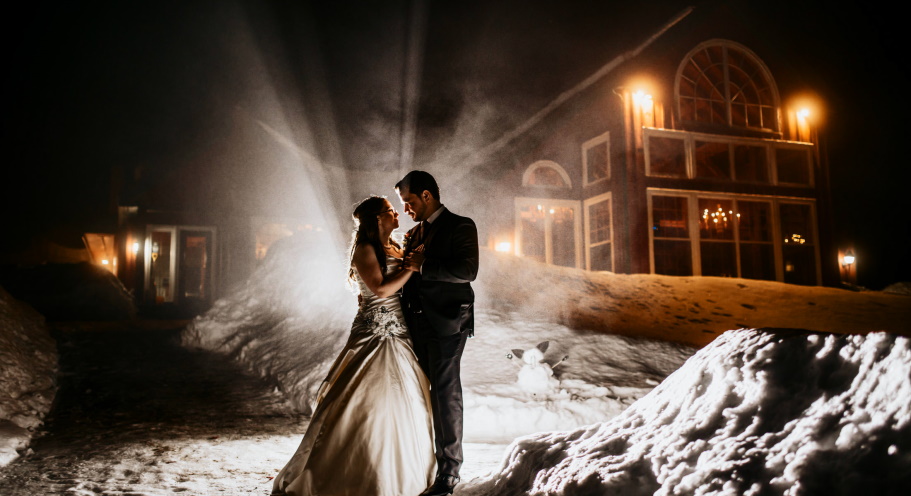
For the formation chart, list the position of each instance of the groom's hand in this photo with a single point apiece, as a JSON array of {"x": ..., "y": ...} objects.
[{"x": 415, "y": 259}]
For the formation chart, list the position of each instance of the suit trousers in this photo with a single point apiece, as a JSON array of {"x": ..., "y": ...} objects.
[{"x": 440, "y": 357}]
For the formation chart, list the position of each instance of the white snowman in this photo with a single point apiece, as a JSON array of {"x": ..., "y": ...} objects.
[{"x": 535, "y": 376}]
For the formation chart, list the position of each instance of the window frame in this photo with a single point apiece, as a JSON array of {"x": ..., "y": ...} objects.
[
  {"x": 586, "y": 208},
  {"x": 541, "y": 164},
  {"x": 726, "y": 46},
  {"x": 589, "y": 144},
  {"x": 523, "y": 201},
  {"x": 690, "y": 138},
  {"x": 693, "y": 197}
]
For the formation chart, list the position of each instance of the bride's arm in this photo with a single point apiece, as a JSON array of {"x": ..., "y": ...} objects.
[{"x": 368, "y": 267}]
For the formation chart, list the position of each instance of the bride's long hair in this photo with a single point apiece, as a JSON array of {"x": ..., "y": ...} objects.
[{"x": 367, "y": 232}]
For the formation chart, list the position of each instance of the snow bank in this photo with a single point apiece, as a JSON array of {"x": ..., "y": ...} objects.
[
  {"x": 78, "y": 291},
  {"x": 599, "y": 376},
  {"x": 288, "y": 321},
  {"x": 293, "y": 316},
  {"x": 755, "y": 412},
  {"x": 691, "y": 310},
  {"x": 27, "y": 378}
]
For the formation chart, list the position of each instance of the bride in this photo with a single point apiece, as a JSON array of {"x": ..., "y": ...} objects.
[{"x": 371, "y": 432}]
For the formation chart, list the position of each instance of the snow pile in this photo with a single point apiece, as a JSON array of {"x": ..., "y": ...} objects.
[
  {"x": 755, "y": 412},
  {"x": 293, "y": 316},
  {"x": 600, "y": 377},
  {"x": 288, "y": 321},
  {"x": 899, "y": 288},
  {"x": 691, "y": 310},
  {"x": 78, "y": 291},
  {"x": 27, "y": 378}
]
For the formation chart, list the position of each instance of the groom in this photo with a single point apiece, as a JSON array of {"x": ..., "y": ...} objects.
[{"x": 439, "y": 307}]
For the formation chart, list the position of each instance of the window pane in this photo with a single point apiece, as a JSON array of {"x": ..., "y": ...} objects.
[
  {"x": 713, "y": 160},
  {"x": 546, "y": 176},
  {"x": 718, "y": 258},
  {"x": 757, "y": 261},
  {"x": 717, "y": 84},
  {"x": 798, "y": 250},
  {"x": 799, "y": 264},
  {"x": 667, "y": 156},
  {"x": 564, "y": 239},
  {"x": 755, "y": 220},
  {"x": 793, "y": 166},
  {"x": 160, "y": 268},
  {"x": 750, "y": 164},
  {"x": 601, "y": 257},
  {"x": 599, "y": 222},
  {"x": 796, "y": 223},
  {"x": 532, "y": 232},
  {"x": 596, "y": 162},
  {"x": 673, "y": 258},
  {"x": 195, "y": 253},
  {"x": 669, "y": 215},
  {"x": 716, "y": 219}
]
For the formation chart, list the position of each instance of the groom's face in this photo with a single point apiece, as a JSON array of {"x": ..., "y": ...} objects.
[{"x": 414, "y": 205}]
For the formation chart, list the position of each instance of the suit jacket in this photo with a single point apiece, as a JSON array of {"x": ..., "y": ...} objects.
[{"x": 442, "y": 290}]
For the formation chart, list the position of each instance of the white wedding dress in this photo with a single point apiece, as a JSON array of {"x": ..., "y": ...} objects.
[{"x": 371, "y": 433}]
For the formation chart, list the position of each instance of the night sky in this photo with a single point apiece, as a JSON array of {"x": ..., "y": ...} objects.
[{"x": 93, "y": 86}]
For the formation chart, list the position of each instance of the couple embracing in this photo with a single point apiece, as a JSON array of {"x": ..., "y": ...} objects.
[{"x": 388, "y": 420}]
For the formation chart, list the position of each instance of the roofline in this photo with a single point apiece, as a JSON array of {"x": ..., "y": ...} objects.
[{"x": 474, "y": 158}]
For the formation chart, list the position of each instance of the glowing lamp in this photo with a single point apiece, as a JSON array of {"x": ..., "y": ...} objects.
[
  {"x": 104, "y": 261},
  {"x": 642, "y": 99},
  {"x": 135, "y": 248},
  {"x": 849, "y": 257},
  {"x": 504, "y": 247},
  {"x": 803, "y": 113}
]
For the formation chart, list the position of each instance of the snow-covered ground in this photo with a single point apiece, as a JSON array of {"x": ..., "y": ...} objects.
[
  {"x": 27, "y": 377},
  {"x": 288, "y": 324},
  {"x": 753, "y": 413}
]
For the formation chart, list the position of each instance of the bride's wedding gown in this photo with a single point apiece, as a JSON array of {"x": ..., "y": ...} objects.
[{"x": 371, "y": 432}]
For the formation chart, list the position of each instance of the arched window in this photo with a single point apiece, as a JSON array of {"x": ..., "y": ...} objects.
[
  {"x": 722, "y": 82},
  {"x": 547, "y": 174}
]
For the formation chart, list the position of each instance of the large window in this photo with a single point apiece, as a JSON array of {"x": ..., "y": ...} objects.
[
  {"x": 599, "y": 233},
  {"x": 722, "y": 82},
  {"x": 690, "y": 155},
  {"x": 711, "y": 234},
  {"x": 549, "y": 231}
]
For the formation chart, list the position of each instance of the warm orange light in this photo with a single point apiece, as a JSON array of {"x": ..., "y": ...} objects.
[
  {"x": 642, "y": 99},
  {"x": 104, "y": 261},
  {"x": 803, "y": 113}
]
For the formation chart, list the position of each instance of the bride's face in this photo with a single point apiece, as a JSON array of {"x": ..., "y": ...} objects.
[{"x": 388, "y": 218}]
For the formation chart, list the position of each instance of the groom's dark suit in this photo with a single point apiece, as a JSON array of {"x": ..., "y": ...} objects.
[{"x": 439, "y": 306}]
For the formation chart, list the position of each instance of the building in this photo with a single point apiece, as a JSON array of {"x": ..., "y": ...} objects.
[{"x": 696, "y": 152}]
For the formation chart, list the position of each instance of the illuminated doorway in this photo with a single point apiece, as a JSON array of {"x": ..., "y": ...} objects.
[{"x": 179, "y": 264}]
